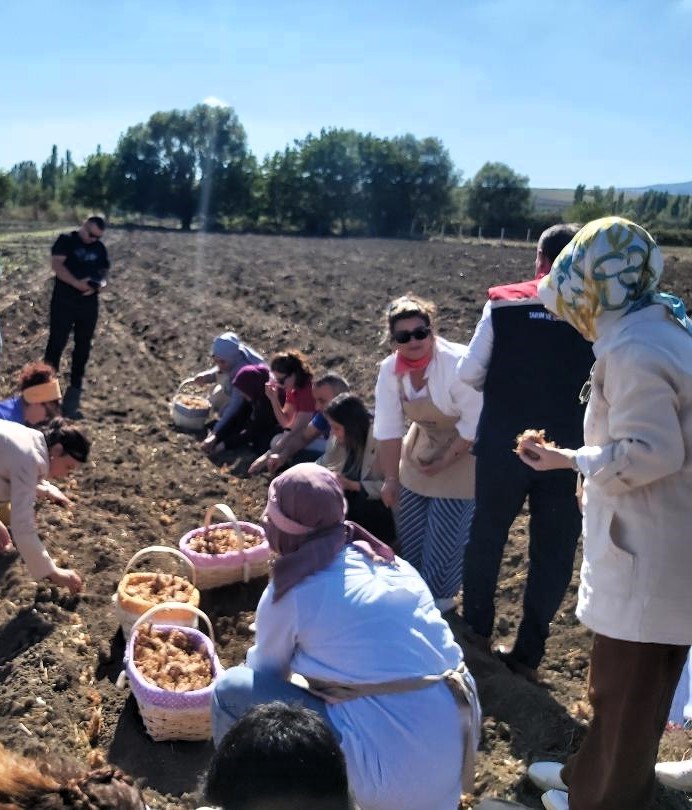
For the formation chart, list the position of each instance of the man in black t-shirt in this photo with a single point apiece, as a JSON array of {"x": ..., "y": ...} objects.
[{"x": 80, "y": 263}]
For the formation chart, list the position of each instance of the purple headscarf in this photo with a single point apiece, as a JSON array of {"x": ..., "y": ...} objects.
[
  {"x": 250, "y": 380},
  {"x": 304, "y": 523}
]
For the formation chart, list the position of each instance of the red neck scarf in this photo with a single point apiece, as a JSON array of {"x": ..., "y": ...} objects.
[{"x": 403, "y": 365}]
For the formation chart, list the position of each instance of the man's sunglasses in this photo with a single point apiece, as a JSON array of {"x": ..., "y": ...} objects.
[
  {"x": 93, "y": 235},
  {"x": 404, "y": 335}
]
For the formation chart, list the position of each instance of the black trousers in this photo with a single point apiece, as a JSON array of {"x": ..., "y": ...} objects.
[
  {"x": 70, "y": 310},
  {"x": 503, "y": 482}
]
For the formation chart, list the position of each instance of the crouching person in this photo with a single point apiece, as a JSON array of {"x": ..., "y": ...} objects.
[
  {"x": 359, "y": 627},
  {"x": 27, "y": 458}
]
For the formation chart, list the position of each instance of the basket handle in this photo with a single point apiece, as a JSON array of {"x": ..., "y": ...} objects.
[
  {"x": 185, "y": 382},
  {"x": 227, "y": 512},
  {"x": 163, "y": 550},
  {"x": 174, "y": 606}
]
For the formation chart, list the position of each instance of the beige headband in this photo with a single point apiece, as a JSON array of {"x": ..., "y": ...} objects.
[{"x": 45, "y": 392}]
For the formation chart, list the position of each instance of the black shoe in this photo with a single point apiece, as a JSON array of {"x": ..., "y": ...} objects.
[
  {"x": 515, "y": 666},
  {"x": 70, "y": 403}
]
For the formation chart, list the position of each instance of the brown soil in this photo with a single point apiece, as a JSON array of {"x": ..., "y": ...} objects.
[{"x": 148, "y": 484}]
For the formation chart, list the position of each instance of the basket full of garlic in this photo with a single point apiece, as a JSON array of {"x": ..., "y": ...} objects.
[
  {"x": 223, "y": 553},
  {"x": 172, "y": 671},
  {"x": 140, "y": 590}
]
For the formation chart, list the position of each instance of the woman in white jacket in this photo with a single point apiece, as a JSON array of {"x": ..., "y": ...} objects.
[
  {"x": 429, "y": 471},
  {"x": 27, "y": 457},
  {"x": 637, "y": 467}
]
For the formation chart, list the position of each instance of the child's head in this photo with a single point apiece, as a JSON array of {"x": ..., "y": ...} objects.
[
  {"x": 279, "y": 756},
  {"x": 550, "y": 244}
]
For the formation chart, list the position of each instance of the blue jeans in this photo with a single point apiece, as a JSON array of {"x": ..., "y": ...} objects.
[{"x": 240, "y": 688}]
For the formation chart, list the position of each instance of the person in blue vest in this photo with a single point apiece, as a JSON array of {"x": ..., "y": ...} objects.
[{"x": 517, "y": 359}]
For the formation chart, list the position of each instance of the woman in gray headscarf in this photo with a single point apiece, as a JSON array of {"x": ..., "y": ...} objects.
[
  {"x": 637, "y": 465},
  {"x": 229, "y": 355}
]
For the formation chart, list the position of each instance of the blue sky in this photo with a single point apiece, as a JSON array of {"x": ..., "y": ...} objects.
[{"x": 564, "y": 91}]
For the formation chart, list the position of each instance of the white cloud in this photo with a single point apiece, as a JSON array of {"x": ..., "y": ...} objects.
[{"x": 212, "y": 101}]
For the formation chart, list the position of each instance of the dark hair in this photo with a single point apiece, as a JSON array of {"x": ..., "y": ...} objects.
[
  {"x": 292, "y": 362},
  {"x": 35, "y": 373},
  {"x": 275, "y": 751},
  {"x": 335, "y": 381},
  {"x": 552, "y": 240},
  {"x": 349, "y": 411},
  {"x": 73, "y": 440},
  {"x": 60, "y": 784},
  {"x": 100, "y": 222}
]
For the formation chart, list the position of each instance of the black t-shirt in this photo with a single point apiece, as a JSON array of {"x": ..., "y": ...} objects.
[{"x": 82, "y": 260}]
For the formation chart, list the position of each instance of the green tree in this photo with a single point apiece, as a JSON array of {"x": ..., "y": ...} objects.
[
  {"x": 92, "y": 183},
  {"x": 26, "y": 183},
  {"x": 51, "y": 174},
  {"x": 498, "y": 197},
  {"x": 183, "y": 164},
  {"x": 579, "y": 192},
  {"x": 6, "y": 189}
]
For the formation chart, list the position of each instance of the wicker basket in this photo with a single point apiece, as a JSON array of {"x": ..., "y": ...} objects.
[
  {"x": 174, "y": 715},
  {"x": 185, "y": 417},
  {"x": 214, "y": 570},
  {"x": 129, "y": 608}
]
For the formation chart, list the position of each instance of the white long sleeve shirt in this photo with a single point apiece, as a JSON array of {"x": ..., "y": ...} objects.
[{"x": 452, "y": 395}]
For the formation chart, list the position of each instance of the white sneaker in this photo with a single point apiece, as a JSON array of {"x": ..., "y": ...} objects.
[
  {"x": 546, "y": 775},
  {"x": 555, "y": 800},
  {"x": 676, "y": 775}
]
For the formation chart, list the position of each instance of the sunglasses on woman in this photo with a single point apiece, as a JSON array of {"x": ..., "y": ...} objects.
[{"x": 405, "y": 335}]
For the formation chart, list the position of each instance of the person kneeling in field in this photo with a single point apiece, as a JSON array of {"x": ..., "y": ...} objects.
[
  {"x": 59, "y": 784},
  {"x": 39, "y": 397},
  {"x": 359, "y": 626},
  {"x": 27, "y": 456},
  {"x": 229, "y": 355},
  {"x": 279, "y": 756}
]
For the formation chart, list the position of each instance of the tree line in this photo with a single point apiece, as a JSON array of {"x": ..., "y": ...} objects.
[{"x": 195, "y": 166}]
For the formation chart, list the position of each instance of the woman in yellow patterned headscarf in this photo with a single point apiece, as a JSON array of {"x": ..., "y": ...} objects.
[
  {"x": 635, "y": 591},
  {"x": 611, "y": 268}
]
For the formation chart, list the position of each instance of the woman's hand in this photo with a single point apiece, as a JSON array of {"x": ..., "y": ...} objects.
[
  {"x": 433, "y": 467},
  {"x": 271, "y": 389},
  {"x": 5, "y": 539},
  {"x": 543, "y": 458},
  {"x": 52, "y": 493},
  {"x": 390, "y": 492},
  {"x": 258, "y": 464},
  {"x": 347, "y": 484},
  {"x": 67, "y": 578},
  {"x": 210, "y": 443}
]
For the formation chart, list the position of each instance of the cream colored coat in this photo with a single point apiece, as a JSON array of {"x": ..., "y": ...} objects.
[
  {"x": 636, "y": 578},
  {"x": 23, "y": 464}
]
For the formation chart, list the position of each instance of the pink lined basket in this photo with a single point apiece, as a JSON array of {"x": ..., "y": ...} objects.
[
  {"x": 215, "y": 570},
  {"x": 174, "y": 715}
]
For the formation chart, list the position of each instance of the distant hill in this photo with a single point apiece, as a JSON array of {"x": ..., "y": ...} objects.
[
  {"x": 672, "y": 188},
  {"x": 557, "y": 199}
]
